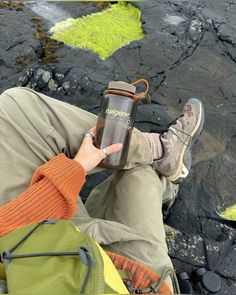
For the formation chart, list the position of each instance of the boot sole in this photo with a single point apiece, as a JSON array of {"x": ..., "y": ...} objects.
[{"x": 182, "y": 171}]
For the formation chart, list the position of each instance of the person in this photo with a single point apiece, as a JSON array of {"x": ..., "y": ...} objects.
[{"x": 46, "y": 152}]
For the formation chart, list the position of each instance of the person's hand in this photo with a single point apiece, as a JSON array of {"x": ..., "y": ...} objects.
[{"x": 88, "y": 156}]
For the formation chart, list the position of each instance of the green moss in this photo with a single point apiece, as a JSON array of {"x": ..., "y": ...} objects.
[
  {"x": 102, "y": 32},
  {"x": 229, "y": 213}
]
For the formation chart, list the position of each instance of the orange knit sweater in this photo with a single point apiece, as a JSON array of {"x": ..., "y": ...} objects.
[{"x": 52, "y": 193}]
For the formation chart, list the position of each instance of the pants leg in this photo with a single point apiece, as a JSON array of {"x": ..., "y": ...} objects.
[
  {"x": 133, "y": 199},
  {"x": 35, "y": 128}
]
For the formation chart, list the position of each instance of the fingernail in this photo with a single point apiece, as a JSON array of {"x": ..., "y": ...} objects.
[{"x": 120, "y": 145}]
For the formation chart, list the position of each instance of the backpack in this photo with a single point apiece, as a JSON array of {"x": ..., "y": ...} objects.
[{"x": 55, "y": 257}]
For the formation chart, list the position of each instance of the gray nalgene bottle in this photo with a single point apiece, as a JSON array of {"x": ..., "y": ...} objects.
[{"x": 116, "y": 120}]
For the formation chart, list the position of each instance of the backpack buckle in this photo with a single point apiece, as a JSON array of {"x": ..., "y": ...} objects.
[{"x": 4, "y": 255}]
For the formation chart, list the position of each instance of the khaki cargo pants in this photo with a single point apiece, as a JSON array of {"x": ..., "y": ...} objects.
[{"x": 123, "y": 213}]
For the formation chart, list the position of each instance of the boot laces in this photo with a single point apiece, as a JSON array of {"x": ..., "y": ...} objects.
[{"x": 166, "y": 127}]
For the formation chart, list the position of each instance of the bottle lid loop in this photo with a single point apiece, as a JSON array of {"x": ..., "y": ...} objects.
[
  {"x": 142, "y": 94},
  {"x": 129, "y": 94}
]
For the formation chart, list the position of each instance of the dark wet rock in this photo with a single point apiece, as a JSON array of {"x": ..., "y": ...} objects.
[
  {"x": 40, "y": 79},
  {"x": 189, "y": 50},
  {"x": 17, "y": 46},
  {"x": 213, "y": 249},
  {"x": 186, "y": 248}
]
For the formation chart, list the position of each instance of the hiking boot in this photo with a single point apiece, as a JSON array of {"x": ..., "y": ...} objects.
[{"x": 177, "y": 141}]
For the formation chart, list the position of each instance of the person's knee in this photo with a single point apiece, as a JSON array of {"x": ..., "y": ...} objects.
[
  {"x": 21, "y": 96},
  {"x": 16, "y": 91}
]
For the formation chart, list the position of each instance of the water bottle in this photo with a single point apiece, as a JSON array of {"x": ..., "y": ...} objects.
[{"x": 116, "y": 120}]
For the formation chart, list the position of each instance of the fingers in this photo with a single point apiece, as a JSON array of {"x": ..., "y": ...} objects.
[
  {"x": 113, "y": 148},
  {"x": 89, "y": 135},
  {"x": 93, "y": 129},
  {"x": 88, "y": 139}
]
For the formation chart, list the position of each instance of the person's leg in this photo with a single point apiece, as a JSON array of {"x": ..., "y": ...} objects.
[
  {"x": 135, "y": 197},
  {"x": 132, "y": 198},
  {"x": 35, "y": 128}
]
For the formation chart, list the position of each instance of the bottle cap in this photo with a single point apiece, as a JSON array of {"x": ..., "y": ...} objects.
[
  {"x": 123, "y": 86},
  {"x": 211, "y": 281}
]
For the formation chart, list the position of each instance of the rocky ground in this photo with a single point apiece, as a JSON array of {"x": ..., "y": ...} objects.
[{"x": 189, "y": 50}]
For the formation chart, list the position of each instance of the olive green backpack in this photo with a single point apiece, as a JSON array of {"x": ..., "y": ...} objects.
[{"x": 55, "y": 257}]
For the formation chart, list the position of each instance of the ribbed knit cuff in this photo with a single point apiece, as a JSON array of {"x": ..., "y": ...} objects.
[
  {"x": 52, "y": 193},
  {"x": 42, "y": 201},
  {"x": 67, "y": 175}
]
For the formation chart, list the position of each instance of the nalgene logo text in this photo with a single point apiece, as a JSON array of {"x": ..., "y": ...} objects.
[{"x": 115, "y": 113}]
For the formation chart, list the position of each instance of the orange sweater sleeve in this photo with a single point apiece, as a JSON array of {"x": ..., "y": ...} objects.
[{"x": 52, "y": 194}]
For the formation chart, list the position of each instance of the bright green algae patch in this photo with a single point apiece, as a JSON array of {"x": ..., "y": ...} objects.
[
  {"x": 229, "y": 213},
  {"x": 103, "y": 32}
]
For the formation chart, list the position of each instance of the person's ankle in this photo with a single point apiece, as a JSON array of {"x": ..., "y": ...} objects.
[{"x": 155, "y": 144}]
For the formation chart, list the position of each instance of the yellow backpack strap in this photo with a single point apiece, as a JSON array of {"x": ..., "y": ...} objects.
[{"x": 111, "y": 275}]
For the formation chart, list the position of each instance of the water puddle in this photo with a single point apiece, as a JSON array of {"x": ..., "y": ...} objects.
[
  {"x": 174, "y": 19},
  {"x": 49, "y": 11}
]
